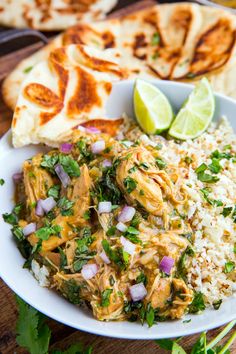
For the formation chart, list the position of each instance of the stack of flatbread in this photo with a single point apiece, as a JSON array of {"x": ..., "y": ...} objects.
[
  {"x": 51, "y": 15},
  {"x": 181, "y": 41}
]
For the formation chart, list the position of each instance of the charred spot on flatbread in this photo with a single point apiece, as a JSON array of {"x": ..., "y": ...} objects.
[
  {"x": 213, "y": 48},
  {"x": 85, "y": 95}
]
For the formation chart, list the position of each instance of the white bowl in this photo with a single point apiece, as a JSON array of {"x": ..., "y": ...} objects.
[{"x": 53, "y": 305}]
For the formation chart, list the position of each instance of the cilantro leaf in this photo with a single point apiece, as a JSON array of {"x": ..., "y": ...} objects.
[
  {"x": 74, "y": 349},
  {"x": 150, "y": 315},
  {"x": 155, "y": 39},
  {"x": 106, "y": 297},
  {"x": 197, "y": 304},
  {"x": 160, "y": 163},
  {"x": 207, "y": 178},
  {"x": 200, "y": 346},
  {"x": 229, "y": 267},
  {"x": 2, "y": 181},
  {"x": 227, "y": 211},
  {"x": 54, "y": 191},
  {"x": 70, "y": 166},
  {"x": 215, "y": 166},
  {"x": 165, "y": 343},
  {"x": 130, "y": 184},
  {"x": 32, "y": 333},
  {"x": 46, "y": 231},
  {"x": 66, "y": 206}
]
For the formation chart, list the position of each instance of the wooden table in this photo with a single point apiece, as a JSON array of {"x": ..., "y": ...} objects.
[{"x": 62, "y": 336}]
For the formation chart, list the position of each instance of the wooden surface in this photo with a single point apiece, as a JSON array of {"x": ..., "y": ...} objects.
[{"x": 62, "y": 336}]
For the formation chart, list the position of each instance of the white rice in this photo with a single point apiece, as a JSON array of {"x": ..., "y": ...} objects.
[{"x": 213, "y": 248}]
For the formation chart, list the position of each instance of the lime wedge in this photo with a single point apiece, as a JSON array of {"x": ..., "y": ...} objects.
[
  {"x": 196, "y": 113},
  {"x": 152, "y": 109}
]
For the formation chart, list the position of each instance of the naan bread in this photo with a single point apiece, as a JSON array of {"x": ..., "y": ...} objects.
[
  {"x": 60, "y": 93},
  {"x": 51, "y": 15},
  {"x": 181, "y": 41}
]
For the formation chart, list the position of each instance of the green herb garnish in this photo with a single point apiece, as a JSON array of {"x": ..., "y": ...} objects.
[
  {"x": 160, "y": 163},
  {"x": 2, "y": 181},
  {"x": 155, "y": 39},
  {"x": 130, "y": 184},
  {"x": 197, "y": 304},
  {"x": 106, "y": 297},
  {"x": 45, "y": 232},
  {"x": 229, "y": 267},
  {"x": 54, "y": 191}
]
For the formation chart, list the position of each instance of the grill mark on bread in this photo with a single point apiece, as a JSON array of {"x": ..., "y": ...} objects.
[
  {"x": 99, "y": 64},
  {"x": 85, "y": 96},
  {"x": 213, "y": 48}
]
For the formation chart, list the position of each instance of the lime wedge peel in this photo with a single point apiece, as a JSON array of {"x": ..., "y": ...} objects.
[
  {"x": 196, "y": 114},
  {"x": 152, "y": 109}
]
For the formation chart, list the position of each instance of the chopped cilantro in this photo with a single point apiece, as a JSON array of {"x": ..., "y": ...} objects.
[
  {"x": 131, "y": 234},
  {"x": 221, "y": 155},
  {"x": 150, "y": 315},
  {"x": 45, "y": 232},
  {"x": 158, "y": 146},
  {"x": 85, "y": 152},
  {"x": 132, "y": 169},
  {"x": 227, "y": 211},
  {"x": 114, "y": 254},
  {"x": 106, "y": 297},
  {"x": 217, "y": 304},
  {"x": 2, "y": 181},
  {"x": 136, "y": 220},
  {"x": 28, "y": 69},
  {"x": 111, "y": 280},
  {"x": 141, "y": 278},
  {"x": 144, "y": 165},
  {"x": 160, "y": 163},
  {"x": 188, "y": 160},
  {"x": 70, "y": 166},
  {"x": 87, "y": 215},
  {"x": 215, "y": 166},
  {"x": 201, "y": 168},
  {"x": 227, "y": 147},
  {"x": 130, "y": 184},
  {"x": 66, "y": 206},
  {"x": 155, "y": 39},
  {"x": 197, "y": 304},
  {"x": 111, "y": 231},
  {"x": 229, "y": 267},
  {"x": 235, "y": 248},
  {"x": 10, "y": 218},
  {"x": 181, "y": 266},
  {"x": 207, "y": 178},
  {"x": 82, "y": 253},
  {"x": 54, "y": 191},
  {"x": 214, "y": 202},
  {"x": 141, "y": 192}
]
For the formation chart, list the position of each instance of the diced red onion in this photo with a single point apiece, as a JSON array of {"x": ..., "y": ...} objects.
[
  {"x": 126, "y": 214},
  {"x": 166, "y": 264},
  {"x": 121, "y": 227},
  {"x": 93, "y": 130},
  {"x": 48, "y": 204},
  {"x": 81, "y": 128},
  {"x": 137, "y": 292},
  {"x": 104, "y": 257},
  {"x": 29, "y": 229},
  {"x": 104, "y": 207},
  {"x": 98, "y": 146},
  {"x": 120, "y": 136},
  {"x": 39, "y": 208},
  {"x": 89, "y": 271},
  {"x": 66, "y": 148},
  {"x": 17, "y": 177},
  {"x": 62, "y": 175},
  {"x": 129, "y": 247},
  {"x": 106, "y": 163}
]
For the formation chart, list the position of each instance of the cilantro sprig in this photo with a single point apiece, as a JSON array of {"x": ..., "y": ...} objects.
[{"x": 34, "y": 334}]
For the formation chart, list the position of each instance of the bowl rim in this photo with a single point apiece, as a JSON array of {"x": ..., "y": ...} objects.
[{"x": 99, "y": 330}]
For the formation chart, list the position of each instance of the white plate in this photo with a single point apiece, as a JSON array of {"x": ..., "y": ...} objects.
[{"x": 53, "y": 305}]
